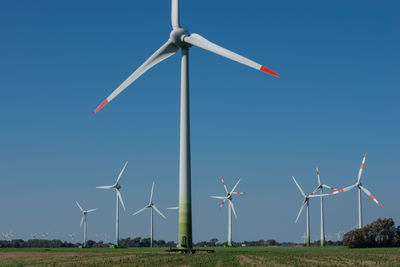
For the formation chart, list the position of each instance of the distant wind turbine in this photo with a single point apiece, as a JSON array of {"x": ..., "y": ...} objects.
[
  {"x": 72, "y": 236},
  {"x": 45, "y": 235},
  {"x": 320, "y": 188},
  {"x": 116, "y": 187},
  {"x": 152, "y": 207},
  {"x": 338, "y": 235},
  {"x": 83, "y": 221},
  {"x": 305, "y": 203},
  {"x": 231, "y": 208}
]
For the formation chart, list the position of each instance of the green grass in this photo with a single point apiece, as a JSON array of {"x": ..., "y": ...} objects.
[{"x": 262, "y": 256}]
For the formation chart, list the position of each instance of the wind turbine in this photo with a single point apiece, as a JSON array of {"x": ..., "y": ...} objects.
[
  {"x": 320, "y": 187},
  {"x": 338, "y": 235},
  {"x": 72, "y": 236},
  {"x": 360, "y": 187},
  {"x": 83, "y": 221},
  {"x": 45, "y": 235},
  {"x": 181, "y": 39},
  {"x": 305, "y": 203},
  {"x": 152, "y": 207},
  {"x": 8, "y": 235},
  {"x": 116, "y": 186},
  {"x": 230, "y": 208},
  {"x": 304, "y": 238}
]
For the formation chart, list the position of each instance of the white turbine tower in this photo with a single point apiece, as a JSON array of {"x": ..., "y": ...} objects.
[
  {"x": 83, "y": 221},
  {"x": 152, "y": 207},
  {"x": 320, "y": 188},
  {"x": 182, "y": 39},
  {"x": 305, "y": 203},
  {"x": 230, "y": 207},
  {"x": 360, "y": 187},
  {"x": 116, "y": 187}
]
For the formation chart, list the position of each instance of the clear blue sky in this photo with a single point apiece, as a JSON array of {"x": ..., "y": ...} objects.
[{"x": 337, "y": 97}]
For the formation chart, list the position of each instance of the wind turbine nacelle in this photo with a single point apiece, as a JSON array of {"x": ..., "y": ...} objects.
[{"x": 177, "y": 35}]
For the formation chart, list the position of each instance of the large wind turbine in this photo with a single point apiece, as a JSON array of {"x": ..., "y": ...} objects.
[
  {"x": 83, "y": 221},
  {"x": 360, "y": 187},
  {"x": 320, "y": 187},
  {"x": 152, "y": 207},
  {"x": 230, "y": 208},
  {"x": 181, "y": 39},
  {"x": 116, "y": 186},
  {"x": 305, "y": 203}
]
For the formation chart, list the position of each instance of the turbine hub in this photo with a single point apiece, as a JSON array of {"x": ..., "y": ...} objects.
[
  {"x": 177, "y": 35},
  {"x": 117, "y": 186}
]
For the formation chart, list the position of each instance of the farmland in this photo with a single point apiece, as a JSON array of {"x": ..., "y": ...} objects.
[{"x": 268, "y": 256}]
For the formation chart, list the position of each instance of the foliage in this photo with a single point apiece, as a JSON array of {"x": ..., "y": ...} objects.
[{"x": 380, "y": 233}]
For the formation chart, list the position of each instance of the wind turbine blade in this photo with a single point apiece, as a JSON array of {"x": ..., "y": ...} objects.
[
  {"x": 233, "y": 189},
  {"x": 79, "y": 206},
  {"x": 223, "y": 202},
  {"x": 329, "y": 187},
  {"x": 151, "y": 195},
  {"x": 105, "y": 187},
  {"x": 223, "y": 182},
  {"x": 233, "y": 208},
  {"x": 201, "y": 42},
  {"x": 342, "y": 190},
  {"x": 301, "y": 209},
  {"x": 315, "y": 190},
  {"x": 361, "y": 168},
  {"x": 172, "y": 208},
  {"x": 83, "y": 218},
  {"x": 239, "y": 193},
  {"x": 120, "y": 174},
  {"x": 370, "y": 195},
  {"x": 319, "y": 180},
  {"x": 217, "y": 197},
  {"x": 175, "y": 14},
  {"x": 159, "y": 212},
  {"x": 91, "y": 210},
  {"x": 139, "y": 211},
  {"x": 301, "y": 190},
  {"x": 120, "y": 198},
  {"x": 164, "y": 52}
]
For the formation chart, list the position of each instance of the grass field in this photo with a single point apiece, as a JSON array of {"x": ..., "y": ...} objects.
[{"x": 276, "y": 256}]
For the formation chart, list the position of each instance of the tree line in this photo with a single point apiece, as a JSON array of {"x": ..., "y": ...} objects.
[{"x": 380, "y": 233}]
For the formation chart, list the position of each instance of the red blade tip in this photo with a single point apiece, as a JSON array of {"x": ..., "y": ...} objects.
[
  {"x": 266, "y": 70},
  {"x": 105, "y": 102}
]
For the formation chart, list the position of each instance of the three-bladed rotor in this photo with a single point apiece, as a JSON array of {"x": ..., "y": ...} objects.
[
  {"x": 320, "y": 184},
  {"x": 150, "y": 205},
  {"x": 116, "y": 186},
  {"x": 306, "y": 198},
  {"x": 180, "y": 38},
  {"x": 358, "y": 184},
  {"x": 228, "y": 195},
  {"x": 84, "y": 212}
]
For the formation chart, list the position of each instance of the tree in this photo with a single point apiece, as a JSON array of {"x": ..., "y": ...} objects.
[{"x": 380, "y": 233}]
